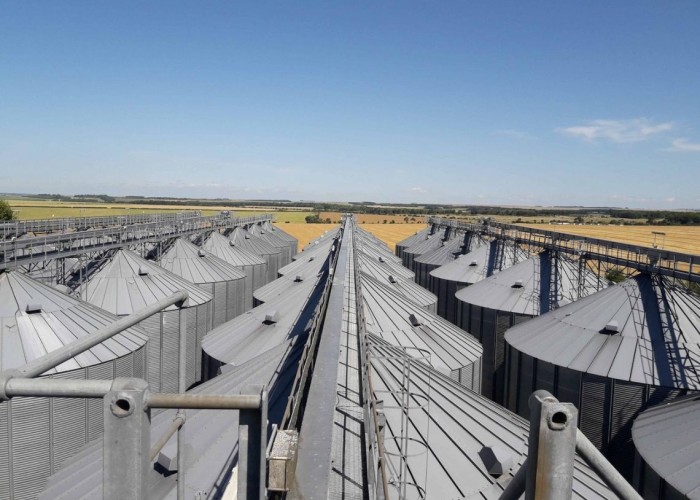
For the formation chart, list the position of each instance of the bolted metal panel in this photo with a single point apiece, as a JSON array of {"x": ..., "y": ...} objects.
[
  {"x": 170, "y": 351},
  {"x": 219, "y": 304}
]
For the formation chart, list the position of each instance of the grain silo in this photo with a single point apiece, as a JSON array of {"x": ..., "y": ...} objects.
[
  {"x": 408, "y": 288},
  {"x": 400, "y": 321},
  {"x": 297, "y": 283},
  {"x": 280, "y": 233},
  {"x": 446, "y": 253},
  {"x": 261, "y": 329},
  {"x": 430, "y": 242},
  {"x": 254, "y": 266},
  {"x": 225, "y": 283},
  {"x": 532, "y": 287},
  {"x": 612, "y": 354},
  {"x": 274, "y": 240},
  {"x": 457, "y": 443},
  {"x": 481, "y": 262},
  {"x": 272, "y": 255},
  {"x": 38, "y": 434},
  {"x": 411, "y": 240},
  {"x": 128, "y": 283},
  {"x": 305, "y": 264},
  {"x": 667, "y": 450},
  {"x": 211, "y": 437}
]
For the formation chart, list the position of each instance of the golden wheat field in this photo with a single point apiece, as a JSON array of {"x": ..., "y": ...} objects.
[
  {"x": 684, "y": 239},
  {"x": 391, "y": 234},
  {"x": 305, "y": 232},
  {"x": 376, "y": 219}
]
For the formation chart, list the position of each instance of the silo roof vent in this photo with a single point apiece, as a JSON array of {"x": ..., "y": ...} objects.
[
  {"x": 33, "y": 308},
  {"x": 143, "y": 271},
  {"x": 202, "y": 253},
  {"x": 231, "y": 243},
  {"x": 496, "y": 459},
  {"x": 473, "y": 263},
  {"x": 271, "y": 318},
  {"x": 392, "y": 279},
  {"x": 414, "y": 319},
  {"x": 299, "y": 278},
  {"x": 247, "y": 236},
  {"x": 518, "y": 284},
  {"x": 381, "y": 259},
  {"x": 612, "y": 327}
]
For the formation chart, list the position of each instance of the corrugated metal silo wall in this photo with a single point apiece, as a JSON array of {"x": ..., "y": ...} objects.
[
  {"x": 422, "y": 270},
  {"x": 445, "y": 291},
  {"x": 607, "y": 407},
  {"x": 273, "y": 265},
  {"x": 38, "y": 434},
  {"x": 489, "y": 327},
  {"x": 163, "y": 345},
  {"x": 469, "y": 376},
  {"x": 229, "y": 300}
]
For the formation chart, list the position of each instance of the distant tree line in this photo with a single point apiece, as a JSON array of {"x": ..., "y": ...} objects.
[{"x": 656, "y": 217}]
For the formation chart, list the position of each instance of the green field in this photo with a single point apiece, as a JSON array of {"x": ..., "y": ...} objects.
[{"x": 37, "y": 209}]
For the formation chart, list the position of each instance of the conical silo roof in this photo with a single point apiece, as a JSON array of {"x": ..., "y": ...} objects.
[
  {"x": 296, "y": 283},
  {"x": 461, "y": 425},
  {"x": 305, "y": 265},
  {"x": 386, "y": 312},
  {"x": 524, "y": 287},
  {"x": 252, "y": 243},
  {"x": 262, "y": 328},
  {"x": 36, "y": 319},
  {"x": 411, "y": 240},
  {"x": 409, "y": 289},
  {"x": 667, "y": 439},
  {"x": 322, "y": 248},
  {"x": 471, "y": 267},
  {"x": 427, "y": 242},
  {"x": 373, "y": 265},
  {"x": 447, "y": 252},
  {"x": 128, "y": 283},
  {"x": 236, "y": 255},
  {"x": 378, "y": 253},
  {"x": 274, "y": 239},
  {"x": 197, "y": 265},
  {"x": 644, "y": 330},
  {"x": 330, "y": 234},
  {"x": 211, "y": 436},
  {"x": 279, "y": 232}
]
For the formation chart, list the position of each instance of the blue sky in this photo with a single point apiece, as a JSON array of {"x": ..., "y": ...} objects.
[{"x": 518, "y": 103}]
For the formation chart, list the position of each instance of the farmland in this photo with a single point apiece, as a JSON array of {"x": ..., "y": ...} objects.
[
  {"x": 305, "y": 232},
  {"x": 376, "y": 219},
  {"x": 40, "y": 209},
  {"x": 391, "y": 234},
  {"x": 685, "y": 239}
]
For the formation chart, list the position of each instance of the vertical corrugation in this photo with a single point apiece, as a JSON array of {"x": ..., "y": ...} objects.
[
  {"x": 152, "y": 326},
  {"x": 30, "y": 459},
  {"x": 170, "y": 351},
  {"x": 594, "y": 420},
  {"x": 95, "y": 421},
  {"x": 5, "y": 463}
]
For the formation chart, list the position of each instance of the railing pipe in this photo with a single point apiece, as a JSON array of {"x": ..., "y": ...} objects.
[
  {"x": 54, "y": 358},
  {"x": 204, "y": 401},
  {"x": 550, "y": 448},
  {"x": 605, "y": 470},
  {"x": 175, "y": 425},
  {"x": 59, "y": 388}
]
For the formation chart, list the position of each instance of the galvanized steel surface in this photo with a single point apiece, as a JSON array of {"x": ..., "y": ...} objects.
[
  {"x": 211, "y": 436},
  {"x": 657, "y": 341},
  {"x": 460, "y": 424},
  {"x": 667, "y": 438}
]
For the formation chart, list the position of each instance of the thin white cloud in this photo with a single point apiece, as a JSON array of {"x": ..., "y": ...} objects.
[
  {"x": 617, "y": 131},
  {"x": 684, "y": 146},
  {"x": 418, "y": 190},
  {"x": 671, "y": 199}
]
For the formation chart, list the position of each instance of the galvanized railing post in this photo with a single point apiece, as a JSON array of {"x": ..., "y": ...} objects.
[
  {"x": 551, "y": 446},
  {"x": 182, "y": 388},
  {"x": 252, "y": 441},
  {"x": 127, "y": 438}
]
